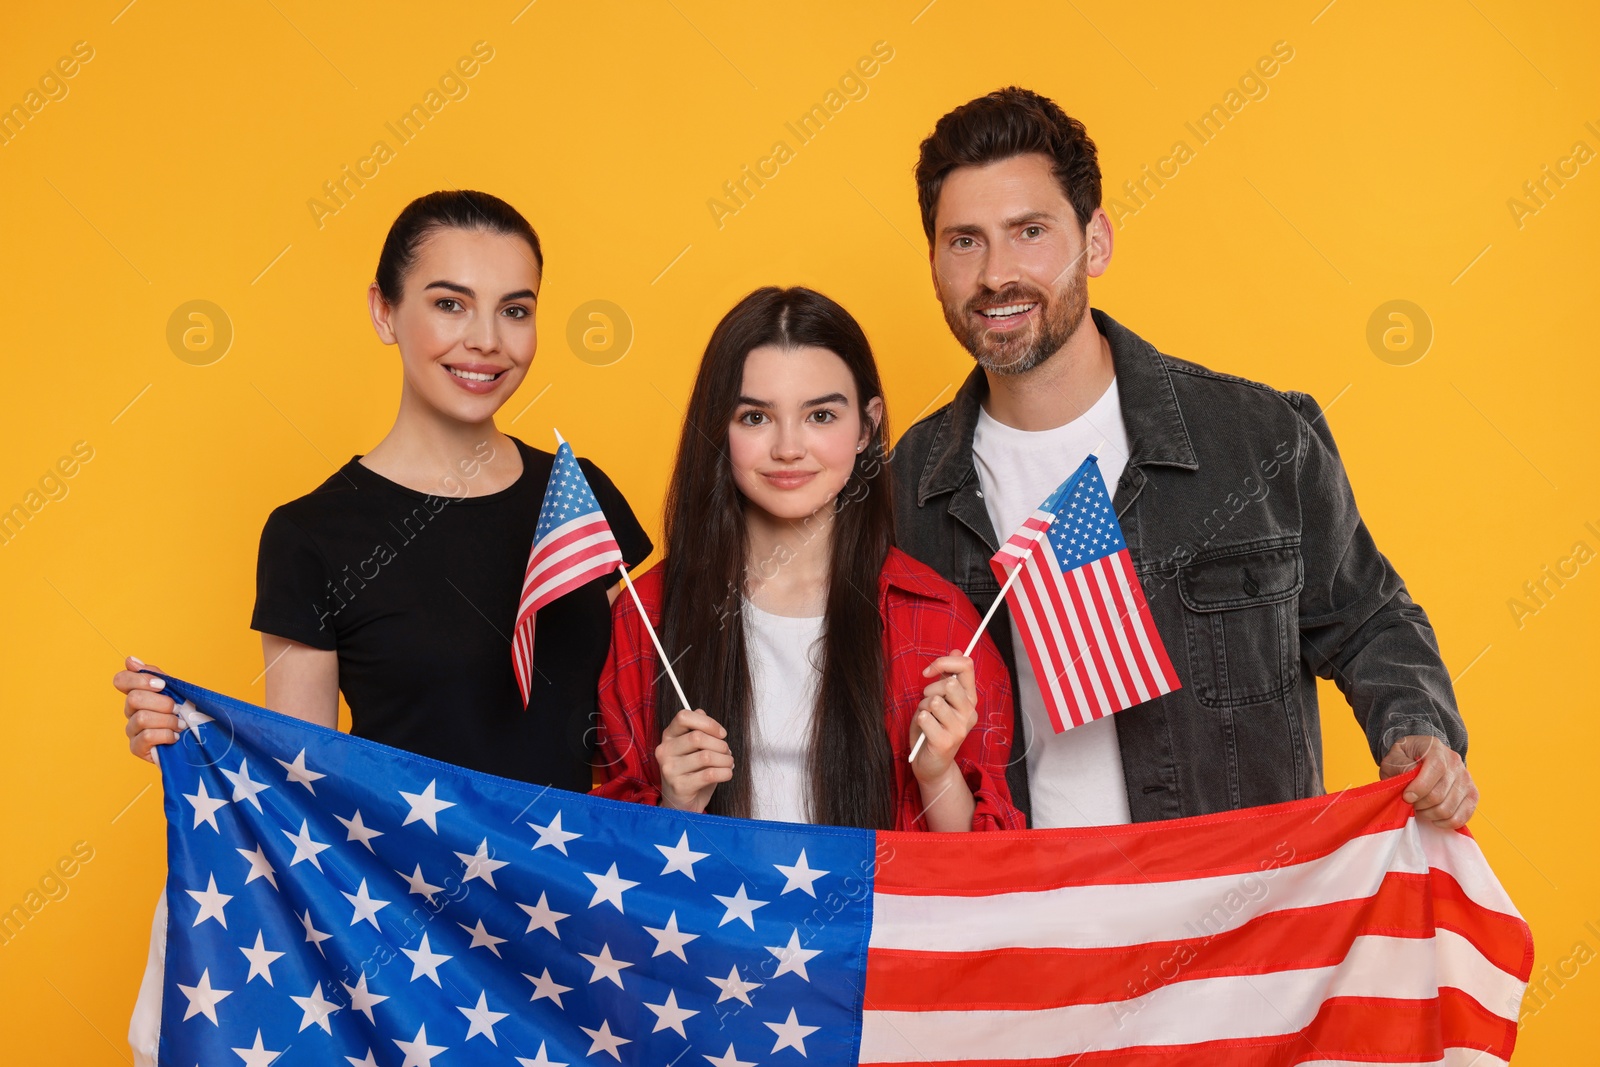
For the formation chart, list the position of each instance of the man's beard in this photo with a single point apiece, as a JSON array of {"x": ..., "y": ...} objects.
[{"x": 1059, "y": 315}]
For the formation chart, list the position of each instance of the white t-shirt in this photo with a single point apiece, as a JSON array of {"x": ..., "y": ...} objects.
[
  {"x": 1074, "y": 778},
  {"x": 785, "y": 657}
]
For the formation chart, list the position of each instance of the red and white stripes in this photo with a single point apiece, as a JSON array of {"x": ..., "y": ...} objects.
[
  {"x": 567, "y": 557},
  {"x": 1332, "y": 931},
  {"x": 1091, "y": 641}
]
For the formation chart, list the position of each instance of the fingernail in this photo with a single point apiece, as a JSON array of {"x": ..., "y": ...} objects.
[
  {"x": 1410, "y": 798},
  {"x": 157, "y": 683},
  {"x": 136, "y": 661}
]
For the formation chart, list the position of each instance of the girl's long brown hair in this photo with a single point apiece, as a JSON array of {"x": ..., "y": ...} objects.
[{"x": 707, "y": 560}]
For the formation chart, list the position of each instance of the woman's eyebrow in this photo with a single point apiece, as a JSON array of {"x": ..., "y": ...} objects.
[
  {"x": 831, "y": 398},
  {"x": 520, "y": 294}
]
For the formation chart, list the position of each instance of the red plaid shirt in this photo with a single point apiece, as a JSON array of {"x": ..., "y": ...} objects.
[{"x": 924, "y": 616}]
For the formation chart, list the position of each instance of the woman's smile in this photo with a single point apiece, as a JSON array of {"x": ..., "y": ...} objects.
[
  {"x": 789, "y": 478},
  {"x": 479, "y": 378}
]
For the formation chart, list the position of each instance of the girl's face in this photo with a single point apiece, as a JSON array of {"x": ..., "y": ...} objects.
[
  {"x": 465, "y": 321},
  {"x": 797, "y": 430}
]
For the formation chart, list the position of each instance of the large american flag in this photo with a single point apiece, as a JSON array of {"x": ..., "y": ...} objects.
[
  {"x": 335, "y": 901},
  {"x": 1079, "y": 608},
  {"x": 572, "y": 546}
]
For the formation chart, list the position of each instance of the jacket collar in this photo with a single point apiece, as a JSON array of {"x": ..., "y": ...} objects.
[
  {"x": 902, "y": 572},
  {"x": 1156, "y": 431}
]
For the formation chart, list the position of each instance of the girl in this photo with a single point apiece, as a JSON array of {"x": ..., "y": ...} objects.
[
  {"x": 794, "y": 618},
  {"x": 396, "y": 581}
]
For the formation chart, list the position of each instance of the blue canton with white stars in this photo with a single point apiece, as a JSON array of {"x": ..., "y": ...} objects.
[
  {"x": 1085, "y": 526},
  {"x": 567, "y": 495},
  {"x": 333, "y": 901}
]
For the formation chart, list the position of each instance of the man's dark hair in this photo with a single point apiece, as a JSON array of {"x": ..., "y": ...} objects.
[{"x": 1010, "y": 122}]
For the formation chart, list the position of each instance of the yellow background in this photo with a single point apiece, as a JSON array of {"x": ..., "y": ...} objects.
[{"x": 179, "y": 165}]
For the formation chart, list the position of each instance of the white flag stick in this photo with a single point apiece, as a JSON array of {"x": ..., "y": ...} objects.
[
  {"x": 982, "y": 626},
  {"x": 666, "y": 664},
  {"x": 998, "y": 600}
]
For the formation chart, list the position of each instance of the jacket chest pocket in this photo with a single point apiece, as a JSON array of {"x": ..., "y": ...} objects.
[{"x": 1241, "y": 621}]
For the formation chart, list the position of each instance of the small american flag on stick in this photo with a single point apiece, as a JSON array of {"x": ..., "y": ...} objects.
[
  {"x": 1078, "y": 606},
  {"x": 572, "y": 546}
]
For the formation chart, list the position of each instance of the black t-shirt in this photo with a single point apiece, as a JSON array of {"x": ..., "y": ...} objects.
[{"x": 418, "y": 595}]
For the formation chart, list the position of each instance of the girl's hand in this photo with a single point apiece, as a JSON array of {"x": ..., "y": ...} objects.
[
  {"x": 151, "y": 714},
  {"x": 948, "y": 712},
  {"x": 693, "y": 756}
]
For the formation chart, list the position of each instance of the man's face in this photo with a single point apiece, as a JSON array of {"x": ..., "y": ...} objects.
[{"x": 1011, "y": 262}]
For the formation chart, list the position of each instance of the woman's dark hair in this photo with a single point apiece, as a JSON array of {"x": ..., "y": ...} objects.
[
  {"x": 1009, "y": 122},
  {"x": 707, "y": 562},
  {"x": 453, "y": 209}
]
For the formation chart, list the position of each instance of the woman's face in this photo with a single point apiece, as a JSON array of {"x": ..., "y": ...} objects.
[
  {"x": 465, "y": 321},
  {"x": 797, "y": 430}
]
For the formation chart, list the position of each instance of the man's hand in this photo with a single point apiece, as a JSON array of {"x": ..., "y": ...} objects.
[{"x": 1443, "y": 791}]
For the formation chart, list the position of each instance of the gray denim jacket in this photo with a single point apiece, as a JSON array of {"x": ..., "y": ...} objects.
[{"x": 1259, "y": 572}]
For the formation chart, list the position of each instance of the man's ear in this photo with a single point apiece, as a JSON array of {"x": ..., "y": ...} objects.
[
  {"x": 381, "y": 313},
  {"x": 1097, "y": 237}
]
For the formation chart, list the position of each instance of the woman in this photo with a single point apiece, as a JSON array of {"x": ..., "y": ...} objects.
[
  {"x": 396, "y": 581},
  {"x": 805, "y": 632}
]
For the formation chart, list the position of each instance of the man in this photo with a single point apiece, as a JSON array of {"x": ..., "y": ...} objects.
[{"x": 1233, "y": 501}]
